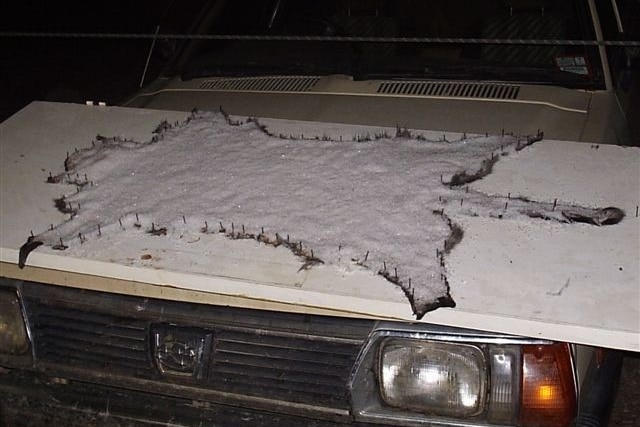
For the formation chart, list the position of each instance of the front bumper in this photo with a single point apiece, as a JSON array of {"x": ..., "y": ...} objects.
[
  {"x": 29, "y": 399},
  {"x": 94, "y": 360}
]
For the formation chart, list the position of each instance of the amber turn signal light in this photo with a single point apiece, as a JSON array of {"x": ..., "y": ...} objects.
[{"x": 548, "y": 396}]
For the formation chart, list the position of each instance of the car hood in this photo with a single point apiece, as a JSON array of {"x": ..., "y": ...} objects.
[{"x": 576, "y": 284}]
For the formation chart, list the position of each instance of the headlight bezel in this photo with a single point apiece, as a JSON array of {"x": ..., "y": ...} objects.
[{"x": 367, "y": 403}]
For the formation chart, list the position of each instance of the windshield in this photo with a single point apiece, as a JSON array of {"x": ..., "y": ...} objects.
[{"x": 284, "y": 23}]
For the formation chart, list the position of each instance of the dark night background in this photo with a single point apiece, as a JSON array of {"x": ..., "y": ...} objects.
[{"x": 77, "y": 70}]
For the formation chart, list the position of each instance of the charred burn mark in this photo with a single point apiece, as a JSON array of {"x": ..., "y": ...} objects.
[
  {"x": 486, "y": 167},
  {"x": 64, "y": 207},
  {"x": 306, "y": 255},
  {"x": 60, "y": 246},
  {"x": 529, "y": 141},
  {"x": 162, "y": 127},
  {"x": 162, "y": 231},
  {"x": 440, "y": 302},
  {"x": 455, "y": 236},
  {"x": 419, "y": 309},
  {"x": 26, "y": 249},
  {"x": 462, "y": 178},
  {"x": 54, "y": 179},
  {"x": 599, "y": 217}
]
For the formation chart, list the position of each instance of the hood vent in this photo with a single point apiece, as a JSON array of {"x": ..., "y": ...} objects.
[
  {"x": 263, "y": 84},
  {"x": 451, "y": 89}
]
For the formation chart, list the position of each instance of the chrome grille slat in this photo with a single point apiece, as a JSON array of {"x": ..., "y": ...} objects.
[
  {"x": 450, "y": 89},
  {"x": 277, "y": 376},
  {"x": 56, "y": 334},
  {"x": 299, "y": 344},
  {"x": 319, "y": 395},
  {"x": 284, "y": 354},
  {"x": 77, "y": 352},
  {"x": 93, "y": 328},
  {"x": 83, "y": 316},
  {"x": 279, "y": 363}
]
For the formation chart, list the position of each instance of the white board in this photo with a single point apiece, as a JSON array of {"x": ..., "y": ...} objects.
[{"x": 579, "y": 284}]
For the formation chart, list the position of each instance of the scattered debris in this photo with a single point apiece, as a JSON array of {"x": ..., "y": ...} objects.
[{"x": 561, "y": 290}]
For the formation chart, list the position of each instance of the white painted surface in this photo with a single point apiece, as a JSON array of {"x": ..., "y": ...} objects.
[
  {"x": 524, "y": 291},
  {"x": 580, "y": 275}
]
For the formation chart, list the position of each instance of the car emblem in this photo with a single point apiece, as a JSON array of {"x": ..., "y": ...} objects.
[{"x": 181, "y": 352}]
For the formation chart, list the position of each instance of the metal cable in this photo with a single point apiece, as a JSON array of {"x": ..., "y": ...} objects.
[{"x": 430, "y": 40}]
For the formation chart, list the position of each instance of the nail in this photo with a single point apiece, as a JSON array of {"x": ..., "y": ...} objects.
[
  {"x": 366, "y": 256},
  {"x": 555, "y": 201},
  {"x": 184, "y": 219}
]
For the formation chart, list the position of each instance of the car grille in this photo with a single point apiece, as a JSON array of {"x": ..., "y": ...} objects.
[
  {"x": 270, "y": 355},
  {"x": 89, "y": 339},
  {"x": 290, "y": 369}
]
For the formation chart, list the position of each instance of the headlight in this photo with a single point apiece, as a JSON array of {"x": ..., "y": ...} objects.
[
  {"x": 428, "y": 375},
  {"x": 433, "y": 377},
  {"x": 13, "y": 335}
]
